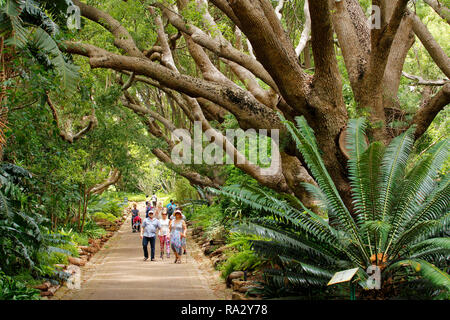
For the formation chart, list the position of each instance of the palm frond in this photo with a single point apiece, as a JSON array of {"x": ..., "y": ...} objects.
[
  {"x": 295, "y": 278},
  {"x": 430, "y": 246},
  {"x": 370, "y": 163},
  {"x": 427, "y": 270},
  {"x": 437, "y": 204},
  {"x": 286, "y": 238},
  {"x": 420, "y": 232},
  {"x": 260, "y": 200},
  {"x": 67, "y": 71},
  {"x": 11, "y": 24},
  {"x": 356, "y": 144},
  {"x": 419, "y": 183},
  {"x": 306, "y": 143},
  {"x": 392, "y": 170}
]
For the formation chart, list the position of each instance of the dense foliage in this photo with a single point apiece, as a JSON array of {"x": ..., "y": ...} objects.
[
  {"x": 75, "y": 141},
  {"x": 400, "y": 218}
]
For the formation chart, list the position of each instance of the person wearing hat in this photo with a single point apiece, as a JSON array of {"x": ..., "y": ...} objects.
[
  {"x": 183, "y": 217},
  {"x": 148, "y": 234},
  {"x": 178, "y": 231}
]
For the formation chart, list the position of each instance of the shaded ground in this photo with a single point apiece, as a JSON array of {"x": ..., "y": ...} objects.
[{"x": 118, "y": 272}]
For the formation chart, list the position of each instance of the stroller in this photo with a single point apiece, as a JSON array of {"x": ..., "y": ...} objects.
[{"x": 137, "y": 224}]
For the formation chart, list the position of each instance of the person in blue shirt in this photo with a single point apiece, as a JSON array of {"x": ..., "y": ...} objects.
[
  {"x": 170, "y": 209},
  {"x": 148, "y": 209},
  {"x": 150, "y": 226}
]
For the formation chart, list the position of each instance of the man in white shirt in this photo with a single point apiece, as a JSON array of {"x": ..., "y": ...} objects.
[{"x": 148, "y": 234}]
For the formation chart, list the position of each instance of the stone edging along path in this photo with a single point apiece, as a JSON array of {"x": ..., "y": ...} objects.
[
  {"x": 119, "y": 272},
  {"x": 49, "y": 290},
  {"x": 239, "y": 281}
]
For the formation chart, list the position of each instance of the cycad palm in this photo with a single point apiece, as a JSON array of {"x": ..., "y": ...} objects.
[{"x": 400, "y": 213}]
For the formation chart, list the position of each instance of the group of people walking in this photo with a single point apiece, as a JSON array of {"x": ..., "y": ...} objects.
[{"x": 168, "y": 224}]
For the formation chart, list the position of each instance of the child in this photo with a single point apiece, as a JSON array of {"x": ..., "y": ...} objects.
[
  {"x": 135, "y": 212},
  {"x": 137, "y": 223}
]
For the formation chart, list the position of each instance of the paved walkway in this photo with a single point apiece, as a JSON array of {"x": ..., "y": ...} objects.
[{"x": 118, "y": 272}]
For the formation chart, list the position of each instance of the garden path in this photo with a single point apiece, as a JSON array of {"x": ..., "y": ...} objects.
[{"x": 118, "y": 272}]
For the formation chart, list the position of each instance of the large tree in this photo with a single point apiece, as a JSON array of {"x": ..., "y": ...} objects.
[{"x": 197, "y": 70}]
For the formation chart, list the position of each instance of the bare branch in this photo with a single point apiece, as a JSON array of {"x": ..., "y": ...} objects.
[
  {"x": 224, "y": 6},
  {"x": 221, "y": 48},
  {"x": 279, "y": 8},
  {"x": 234, "y": 99},
  {"x": 67, "y": 136},
  {"x": 304, "y": 38},
  {"x": 434, "y": 49},
  {"x": 192, "y": 176},
  {"x": 440, "y": 9},
  {"x": 129, "y": 83},
  {"x": 427, "y": 113},
  {"x": 113, "y": 178},
  {"x": 424, "y": 82},
  {"x": 122, "y": 38},
  {"x": 355, "y": 55}
]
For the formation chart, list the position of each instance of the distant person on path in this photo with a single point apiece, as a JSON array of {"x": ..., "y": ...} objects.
[
  {"x": 137, "y": 221},
  {"x": 154, "y": 200},
  {"x": 159, "y": 210},
  {"x": 148, "y": 208},
  {"x": 178, "y": 231},
  {"x": 148, "y": 234},
  {"x": 170, "y": 209},
  {"x": 134, "y": 213},
  {"x": 164, "y": 235}
]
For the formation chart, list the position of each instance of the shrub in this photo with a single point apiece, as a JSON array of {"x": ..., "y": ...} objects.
[
  {"x": 106, "y": 205},
  {"x": 205, "y": 216},
  {"x": 11, "y": 289},
  {"x": 245, "y": 260},
  {"x": 92, "y": 230},
  {"x": 80, "y": 239},
  {"x": 400, "y": 223},
  {"x": 183, "y": 191},
  {"x": 99, "y": 216}
]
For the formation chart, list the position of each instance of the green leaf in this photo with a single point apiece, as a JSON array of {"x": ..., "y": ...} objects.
[{"x": 427, "y": 270}]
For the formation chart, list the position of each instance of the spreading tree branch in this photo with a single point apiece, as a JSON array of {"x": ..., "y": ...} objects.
[
  {"x": 67, "y": 136},
  {"x": 424, "y": 82},
  {"x": 113, "y": 178},
  {"x": 427, "y": 113},
  {"x": 440, "y": 9},
  {"x": 434, "y": 49}
]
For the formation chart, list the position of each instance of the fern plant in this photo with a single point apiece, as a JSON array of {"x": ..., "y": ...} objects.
[
  {"x": 22, "y": 232},
  {"x": 26, "y": 26},
  {"x": 19, "y": 232},
  {"x": 400, "y": 216}
]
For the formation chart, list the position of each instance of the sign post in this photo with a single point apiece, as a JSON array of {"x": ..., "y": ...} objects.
[{"x": 345, "y": 276}]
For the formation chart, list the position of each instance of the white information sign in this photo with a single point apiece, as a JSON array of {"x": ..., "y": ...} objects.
[{"x": 343, "y": 276}]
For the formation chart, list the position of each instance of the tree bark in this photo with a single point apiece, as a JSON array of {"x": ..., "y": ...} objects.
[
  {"x": 113, "y": 178},
  {"x": 433, "y": 48},
  {"x": 427, "y": 113}
]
